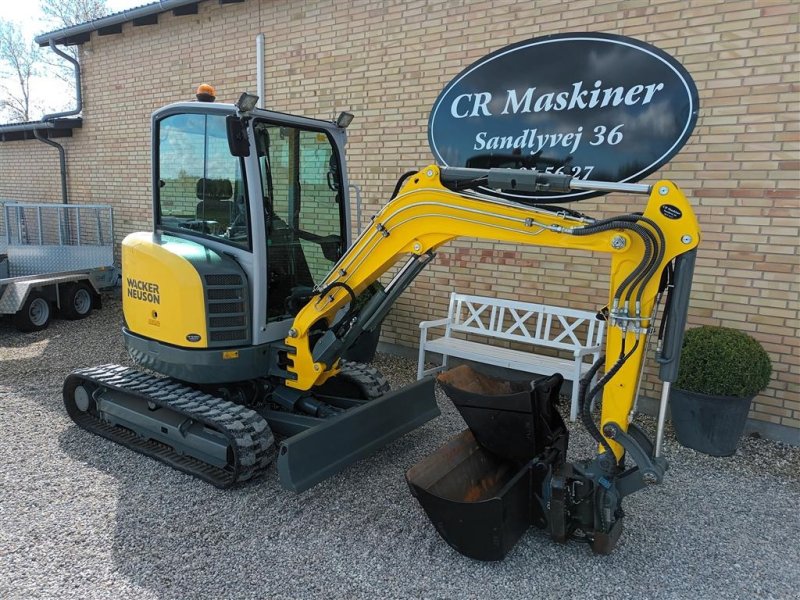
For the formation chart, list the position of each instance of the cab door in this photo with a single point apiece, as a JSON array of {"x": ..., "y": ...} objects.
[{"x": 305, "y": 210}]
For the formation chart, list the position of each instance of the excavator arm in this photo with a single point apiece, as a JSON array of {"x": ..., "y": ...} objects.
[
  {"x": 426, "y": 214},
  {"x": 650, "y": 252}
]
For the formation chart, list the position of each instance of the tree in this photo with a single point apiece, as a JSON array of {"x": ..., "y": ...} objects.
[
  {"x": 19, "y": 57},
  {"x": 66, "y": 13},
  {"x": 18, "y": 62}
]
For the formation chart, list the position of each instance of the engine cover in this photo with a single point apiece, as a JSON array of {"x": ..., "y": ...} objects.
[{"x": 179, "y": 292}]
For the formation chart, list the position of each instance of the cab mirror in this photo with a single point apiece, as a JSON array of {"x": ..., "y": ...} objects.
[
  {"x": 237, "y": 136},
  {"x": 333, "y": 173}
]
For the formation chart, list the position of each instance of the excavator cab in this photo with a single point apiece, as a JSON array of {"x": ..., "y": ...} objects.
[
  {"x": 304, "y": 209},
  {"x": 284, "y": 206}
]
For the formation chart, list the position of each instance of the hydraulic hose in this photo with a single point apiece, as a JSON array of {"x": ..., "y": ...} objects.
[
  {"x": 351, "y": 311},
  {"x": 400, "y": 182},
  {"x": 637, "y": 274},
  {"x": 659, "y": 245},
  {"x": 586, "y": 417},
  {"x": 641, "y": 270},
  {"x": 586, "y": 400}
]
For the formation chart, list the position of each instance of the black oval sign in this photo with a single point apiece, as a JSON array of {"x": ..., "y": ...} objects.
[
  {"x": 193, "y": 337},
  {"x": 592, "y": 105}
]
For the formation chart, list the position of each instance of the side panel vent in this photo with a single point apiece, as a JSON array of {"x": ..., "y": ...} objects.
[{"x": 227, "y": 302}]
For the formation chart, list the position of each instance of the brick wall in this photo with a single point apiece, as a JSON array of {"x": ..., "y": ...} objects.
[
  {"x": 386, "y": 62},
  {"x": 29, "y": 171}
]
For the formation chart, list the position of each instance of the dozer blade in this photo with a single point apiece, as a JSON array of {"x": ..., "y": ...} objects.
[{"x": 313, "y": 455}]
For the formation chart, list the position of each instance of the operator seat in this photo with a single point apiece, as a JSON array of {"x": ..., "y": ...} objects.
[{"x": 215, "y": 201}]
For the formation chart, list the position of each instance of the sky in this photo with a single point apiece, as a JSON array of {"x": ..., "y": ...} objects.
[{"x": 47, "y": 92}]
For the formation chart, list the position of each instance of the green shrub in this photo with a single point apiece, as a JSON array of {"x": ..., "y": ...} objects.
[{"x": 722, "y": 362}]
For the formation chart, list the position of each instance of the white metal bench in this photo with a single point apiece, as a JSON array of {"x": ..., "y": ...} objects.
[{"x": 576, "y": 331}]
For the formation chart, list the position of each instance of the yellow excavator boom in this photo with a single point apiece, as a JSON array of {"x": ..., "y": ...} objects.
[{"x": 426, "y": 215}]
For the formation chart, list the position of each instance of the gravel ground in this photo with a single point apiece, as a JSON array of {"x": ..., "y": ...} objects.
[{"x": 83, "y": 518}]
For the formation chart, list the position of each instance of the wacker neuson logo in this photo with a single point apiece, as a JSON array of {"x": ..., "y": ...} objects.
[{"x": 139, "y": 289}]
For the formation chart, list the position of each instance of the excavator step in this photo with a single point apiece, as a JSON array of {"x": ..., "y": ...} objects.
[{"x": 215, "y": 440}]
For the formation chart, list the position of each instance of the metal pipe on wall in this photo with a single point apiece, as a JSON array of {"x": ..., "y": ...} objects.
[
  {"x": 78, "y": 95},
  {"x": 62, "y": 160},
  {"x": 260, "y": 69}
]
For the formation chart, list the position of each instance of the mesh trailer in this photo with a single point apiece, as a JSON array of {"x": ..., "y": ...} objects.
[{"x": 54, "y": 257}]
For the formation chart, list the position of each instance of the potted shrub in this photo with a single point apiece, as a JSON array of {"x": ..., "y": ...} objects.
[{"x": 721, "y": 371}]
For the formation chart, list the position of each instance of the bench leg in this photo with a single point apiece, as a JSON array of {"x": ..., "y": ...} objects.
[
  {"x": 421, "y": 359},
  {"x": 423, "y": 372}
]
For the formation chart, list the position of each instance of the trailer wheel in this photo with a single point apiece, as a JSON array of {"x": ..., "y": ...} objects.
[
  {"x": 34, "y": 314},
  {"x": 77, "y": 300}
]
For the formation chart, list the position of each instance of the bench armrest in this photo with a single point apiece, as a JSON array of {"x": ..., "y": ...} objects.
[
  {"x": 435, "y": 323},
  {"x": 423, "y": 338},
  {"x": 585, "y": 351}
]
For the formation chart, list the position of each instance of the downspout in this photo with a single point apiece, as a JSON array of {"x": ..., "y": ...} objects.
[
  {"x": 62, "y": 159},
  {"x": 61, "y": 154}
]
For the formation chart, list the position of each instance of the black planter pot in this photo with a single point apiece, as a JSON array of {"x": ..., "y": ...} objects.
[{"x": 708, "y": 424}]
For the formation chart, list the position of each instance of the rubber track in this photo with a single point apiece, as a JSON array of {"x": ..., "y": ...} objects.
[
  {"x": 371, "y": 381},
  {"x": 249, "y": 436}
]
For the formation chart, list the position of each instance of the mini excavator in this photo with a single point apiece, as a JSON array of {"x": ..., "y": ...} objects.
[{"x": 242, "y": 303}]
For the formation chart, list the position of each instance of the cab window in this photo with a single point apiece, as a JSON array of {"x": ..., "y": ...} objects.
[{"x": 201, "y": 186}]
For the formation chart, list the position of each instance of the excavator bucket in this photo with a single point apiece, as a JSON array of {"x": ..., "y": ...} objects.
[
  {"x": 515, "y": 420},
  {"x": 485, "y": 487},
  {"x": 478, "y": 502},
  {"x": 307, "y": 458}
]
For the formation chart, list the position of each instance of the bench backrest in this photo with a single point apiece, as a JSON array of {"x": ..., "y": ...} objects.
[{"x": 540, "y": 324}]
